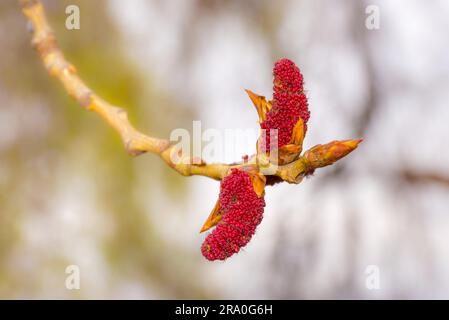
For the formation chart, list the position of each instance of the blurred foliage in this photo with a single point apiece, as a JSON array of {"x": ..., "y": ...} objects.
[{"x": 93, "y": 149}]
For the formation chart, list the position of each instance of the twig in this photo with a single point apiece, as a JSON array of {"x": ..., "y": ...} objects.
[{"x": 136, "y": 142}]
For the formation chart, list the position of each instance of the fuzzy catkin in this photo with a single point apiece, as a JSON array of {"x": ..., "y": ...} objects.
[
  {"x": 242, "y": 211},
  {"x": 289, "y": 103}
]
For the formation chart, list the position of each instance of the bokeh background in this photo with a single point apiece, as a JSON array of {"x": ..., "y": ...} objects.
[{"x": 70, "y": 195}]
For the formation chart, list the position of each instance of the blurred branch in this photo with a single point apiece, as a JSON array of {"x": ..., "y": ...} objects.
[
  {"x": 412, "y": 176},
  {"x": 136, "y": 143},
  {"x": 362, "y": 38}
]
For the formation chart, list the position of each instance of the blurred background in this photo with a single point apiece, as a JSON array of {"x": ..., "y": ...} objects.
[{"x": 70, "y": 195}]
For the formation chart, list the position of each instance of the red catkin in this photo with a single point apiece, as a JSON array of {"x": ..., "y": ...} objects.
[
  {"x": 241, "y": 210},
  {"x": 289, "y": 103}
]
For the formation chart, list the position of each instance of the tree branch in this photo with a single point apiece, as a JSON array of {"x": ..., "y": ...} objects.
[
  {"x": 135, "y": 142},
  {"x": 56, "y": 64}
]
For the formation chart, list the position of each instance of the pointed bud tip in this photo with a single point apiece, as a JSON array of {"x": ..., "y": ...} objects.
[
  {"x": 352, "y": 143},
  {"x": 339, "y": 149},
  {"x": 324, "y": 155},
  {"x": 213, "y": 218},
  {"x": 255, "y": 98},
  {"x": 250, "y": 93}
]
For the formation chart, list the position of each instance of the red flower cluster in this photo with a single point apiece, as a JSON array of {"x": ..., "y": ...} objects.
[
  {"x": 289, "y": 103},
  {"x": 242, "y": 211}
]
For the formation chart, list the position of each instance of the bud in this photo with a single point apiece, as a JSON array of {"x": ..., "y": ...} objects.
[
  {"x": 240, "y": 210},
  {"x": 324, "y": 155}
]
